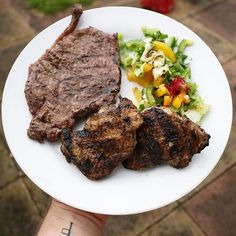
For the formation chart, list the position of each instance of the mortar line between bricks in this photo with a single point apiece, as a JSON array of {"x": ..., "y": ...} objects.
[
  {"x": 230, "y": 59},
  {"x": 212, "y": 32},
  {"x": 207, "y": 7},
  {"x": 22, "y": 177},
  {"x": 199, "y": 226},
  {"x": 17, "y": 166},
  {"x": 157, "y": 221},
  {"x": 24, "y": 38},
  {"x": 4, "y": 142},
  {"x": 32, "y": 199},
  {"x": 213, "y": 180},
  {"x": 10, "y": 182},
  {"x": 13, "y": 181},
  {"x": 199, "y": 11},
  {"x": 181, "y": 205}
]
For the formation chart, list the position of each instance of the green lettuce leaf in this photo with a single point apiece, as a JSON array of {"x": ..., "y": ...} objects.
[{"x": 154, "y": 33}]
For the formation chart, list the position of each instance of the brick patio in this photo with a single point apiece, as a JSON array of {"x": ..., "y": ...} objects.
[{"x": 208, "y": 210}]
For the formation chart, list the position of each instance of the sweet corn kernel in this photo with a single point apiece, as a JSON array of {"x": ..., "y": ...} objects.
[
  {"x": 162, "y": 90},
  {"x": 157, "y": 82},
  {"x": 147, "y": 67},
  {"x": 167, "y": 100},
  {"x": 177, "y": 101}
]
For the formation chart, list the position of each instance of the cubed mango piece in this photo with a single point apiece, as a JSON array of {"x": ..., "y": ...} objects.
[
  {"x": 177, "y": 101},
  {"x": 162, "y": 90},
  {"x": 167, "y": 100}
]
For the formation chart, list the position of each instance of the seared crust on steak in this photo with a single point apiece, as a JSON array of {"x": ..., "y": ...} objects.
[
  {"x": 164, "y": 136},
  {"x": 108, "y": 138},
  {"x": 74, "y": 78}
]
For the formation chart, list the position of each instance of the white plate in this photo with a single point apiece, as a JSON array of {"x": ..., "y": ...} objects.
[{"x": 125, "y": 191}]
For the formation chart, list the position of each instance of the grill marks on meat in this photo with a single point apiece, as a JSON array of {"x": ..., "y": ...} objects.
[
  {"x": 164, "y": 136},
  {"x": 139, "y": 140},
  {"x": 74, "y": 78},
  {"x": 108, "y": 138}
]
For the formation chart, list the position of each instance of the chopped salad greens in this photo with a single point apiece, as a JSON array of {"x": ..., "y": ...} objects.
[{"x": 158, "y": 64}]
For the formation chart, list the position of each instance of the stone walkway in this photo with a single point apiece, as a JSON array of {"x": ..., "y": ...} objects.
[{"x": 208, "y": 210}]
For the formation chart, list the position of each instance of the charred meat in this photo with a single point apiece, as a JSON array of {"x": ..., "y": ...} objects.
[
  {"x": 108, "y": 138},
  {"x": 164, "y": 136},
  {"x": 74, "y": 78}
]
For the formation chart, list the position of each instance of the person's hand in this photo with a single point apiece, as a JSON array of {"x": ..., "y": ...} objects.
[{"x": 65, "y": 220}]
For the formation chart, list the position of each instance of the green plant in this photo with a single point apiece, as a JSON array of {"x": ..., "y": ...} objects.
[{"x": 53, "y": 6}]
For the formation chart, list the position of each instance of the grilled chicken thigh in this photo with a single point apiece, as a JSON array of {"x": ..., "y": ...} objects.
[
  {"x": 108, "y": 138},
  {"x": 165, "y": 136}
]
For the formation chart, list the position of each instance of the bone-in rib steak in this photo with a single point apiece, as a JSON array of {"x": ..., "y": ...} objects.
[{"x": 74, "y": 78}]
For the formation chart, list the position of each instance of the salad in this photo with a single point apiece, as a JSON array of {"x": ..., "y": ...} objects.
[{"x": 158, "y": 64}]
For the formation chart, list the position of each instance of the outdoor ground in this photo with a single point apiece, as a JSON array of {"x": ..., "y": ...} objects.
[{"x": 208, "y": 210}]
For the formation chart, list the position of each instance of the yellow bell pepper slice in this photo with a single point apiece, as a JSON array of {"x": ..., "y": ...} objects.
[
  {"x": 147, "y": 67},
  {"x": 165, "y": 49},
  {"x": 137, "y": 94},
  {"x": 143, "y": 80}
]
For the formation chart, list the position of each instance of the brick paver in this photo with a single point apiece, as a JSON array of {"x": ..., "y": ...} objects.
[
  {"x": 22, "y": 201},
  {"x": 19, "y": 217},
  {"x": 186, "y": 8},
  {"x": 7, "y": 58},
  {"x": 99, "y": 3},
  {"x": 223, "y": 49},
  {"x": 40, "y": 199},
  {"x": 178, "y": 223},
  {"x": 13, "y": 28},
  {"x": 221, "y": 18},
  {"x": 230, "y": 71},
  {"x": 227, "y": 160},
  {"x": 135, "y": 224},
  {"x": 7, "y": 167},
  {"x": 214, "y": 207},
  {"x": 4, "y": 4}
]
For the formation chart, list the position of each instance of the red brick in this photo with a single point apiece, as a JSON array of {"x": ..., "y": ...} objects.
[
  {"x": 185, "y": 8},
  {"x": 231, "y": 75},
  {"x": 7, "y": 168},
  {"x": 130, "y": 225},
  {"x": 223, "y": 49},
  {"x": 214, "y": 208},
  {"x": 175, "y": 224},
  {"x": 41, "y": 199},
  {"x": 221, "y": 18},
  {"x": 4, "y": 4},
  {"x": 19, "y": 216}
]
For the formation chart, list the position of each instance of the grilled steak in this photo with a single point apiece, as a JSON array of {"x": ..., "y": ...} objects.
[
  {"x": 108, "y": 138},
  {"x": 72, "y": 79},
  {"x": 164, "y": 136}
]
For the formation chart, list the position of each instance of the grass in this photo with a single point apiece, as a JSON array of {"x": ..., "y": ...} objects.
[{"x": 53, "y": 6}]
